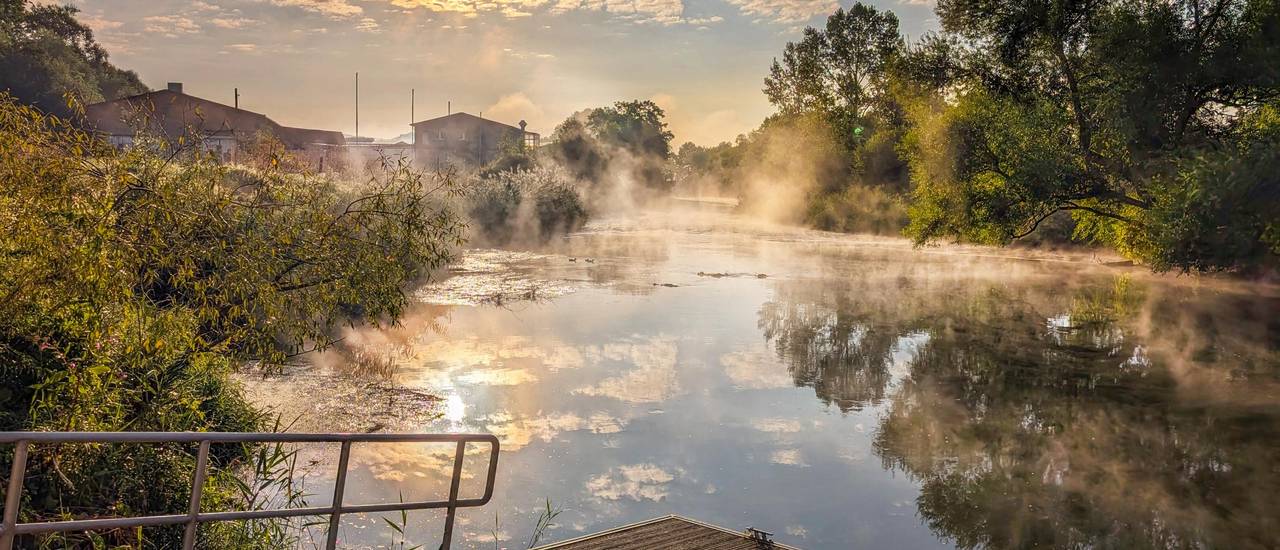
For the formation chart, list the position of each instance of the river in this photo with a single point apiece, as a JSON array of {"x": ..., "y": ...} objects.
[{"x": 840, "y": 391}]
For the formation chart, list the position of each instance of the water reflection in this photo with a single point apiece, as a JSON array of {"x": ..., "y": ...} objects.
[
  {"x": 860, "y": 395},
  {"x": 1105, "y": 414}
]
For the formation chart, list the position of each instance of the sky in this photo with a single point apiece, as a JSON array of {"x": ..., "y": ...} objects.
[{"x": 703, "y": 61}]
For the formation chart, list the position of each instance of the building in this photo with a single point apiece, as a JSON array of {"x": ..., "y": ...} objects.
[
  {"x": 466, "y": 139},
  {"x": 171, "y": 114}
]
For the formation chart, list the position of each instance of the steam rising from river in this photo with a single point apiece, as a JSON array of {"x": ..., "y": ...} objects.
[{"x": 697, "y": 349}]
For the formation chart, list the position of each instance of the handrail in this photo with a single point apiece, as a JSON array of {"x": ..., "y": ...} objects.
[{"x": 10, "y": 527}]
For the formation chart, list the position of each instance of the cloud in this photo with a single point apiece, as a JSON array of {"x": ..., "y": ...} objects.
[
  {"x": 664, "y": 12},
  {"x": 233, "y": 22},
  {"x": 786, "y": 11},
  {"x": 170, "y": 25},
  {"x": 755, "y": 369},
  {"x": 99, "y": 24},
  {"x": 400, "y": 461},
  {"x": 515, "y": 107},
  {"x": 368, "y": 24},
  {"x": 516, "y": 433},
  {"x": 777, "y": 425},
  {"x": 334, "y": 9},
  {"x": 652, "y": 381},
  {"x": 788, "y": 457},
  {"x": 243, "y": 47},
  {"x": 636, "y": 482}
]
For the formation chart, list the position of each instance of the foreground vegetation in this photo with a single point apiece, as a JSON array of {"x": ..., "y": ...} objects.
[
  {"x": 1155, "y": 126},
  {"x": 134, "y": 283}
]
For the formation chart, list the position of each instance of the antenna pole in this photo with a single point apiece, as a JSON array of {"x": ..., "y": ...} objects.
[
  {"x": 357, "y": 104},
  {"x": 450, "y": 111},
  {"x": 237, "y": 98},
  {"x": 413, "y": 102}
]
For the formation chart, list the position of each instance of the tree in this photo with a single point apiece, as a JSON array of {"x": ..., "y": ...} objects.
[
  {"x": 1111, "y": 111},
  {"x": 46, "y": 53},
  {"x": 589, "y": 143},
  {"x": 636, "y": 126},
  {"x": 841, "y": 70}
]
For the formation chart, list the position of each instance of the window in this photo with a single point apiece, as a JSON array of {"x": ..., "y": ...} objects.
[
  {"x": 441, "y": 136},
  {"x": 462, "y": 136}
]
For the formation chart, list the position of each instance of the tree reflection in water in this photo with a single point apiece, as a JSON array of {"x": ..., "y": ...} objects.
[{"x": 1099, "y": 413}]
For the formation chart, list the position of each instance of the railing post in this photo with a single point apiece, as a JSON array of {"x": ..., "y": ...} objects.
[
  {"x": 13, "y": 496},
  {"x": 197, "y": 489},
  {"x": 338, "y": 488},
  {"x": 453, "y": 494}
]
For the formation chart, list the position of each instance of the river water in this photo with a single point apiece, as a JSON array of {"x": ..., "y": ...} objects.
[{"x": 839, "y": 391}]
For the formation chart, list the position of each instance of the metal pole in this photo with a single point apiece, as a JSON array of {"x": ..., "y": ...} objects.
[
  {"x": 197, "y": 488},
  {"x": 413, "y": 102},
  {"x": 338, "y": 487},
  {"x": 237, "y": 98},
  {"x": 357, "y": 104},
  {"x": 453, "y": 495},
  {"x": 13, "y": 498}
]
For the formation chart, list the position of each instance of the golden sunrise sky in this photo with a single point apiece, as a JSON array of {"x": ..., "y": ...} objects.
[{"x": 537, "y": 60}]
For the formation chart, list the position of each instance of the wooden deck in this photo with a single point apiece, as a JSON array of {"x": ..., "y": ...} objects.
[{"x": 666, "y": 533}]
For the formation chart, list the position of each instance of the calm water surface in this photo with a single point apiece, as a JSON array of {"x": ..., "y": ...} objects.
[{"x": 843, "y": 392}]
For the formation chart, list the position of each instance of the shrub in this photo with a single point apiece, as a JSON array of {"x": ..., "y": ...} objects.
[
  {"x": 134, "y": 282},
  {"x": 530, "y": 206},
  {"x": 859, "y": 209}
]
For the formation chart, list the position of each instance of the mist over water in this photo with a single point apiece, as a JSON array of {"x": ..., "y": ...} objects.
[{"x": 841, "y": 391}]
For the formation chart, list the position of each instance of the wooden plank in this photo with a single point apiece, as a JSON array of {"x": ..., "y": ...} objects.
[{"x": 665, "y": 533}]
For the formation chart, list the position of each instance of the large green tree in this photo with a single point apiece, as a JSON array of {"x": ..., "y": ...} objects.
[
  {"x": 46, "y": 53},
  {"x": 842, "y": 69},
  {"x": 1152, "y": 122}
]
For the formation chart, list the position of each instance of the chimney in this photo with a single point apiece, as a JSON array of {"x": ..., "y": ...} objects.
[{"x": 175, "y": 87}]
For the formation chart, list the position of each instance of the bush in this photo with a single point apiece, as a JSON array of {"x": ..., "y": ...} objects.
[
  {"x": 530, "y": 206},
  {"x": 858, "y": 209},
  {"x": 133, "y": 283}
]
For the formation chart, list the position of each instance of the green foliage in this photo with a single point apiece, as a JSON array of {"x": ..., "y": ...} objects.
[
  {"x": 841, "y": 71},
  {"x": 630, "y": 137},
  {"x": 546, "y": 520},
  {"x": 962, "y": 188},
  {"x": 528, "y": 206},
  {"x": 858, "y": 209},
  {"x": 1222, "y": 207},
  {"x": 512, "y": 156},
  {"x": 1131, "y": 116},
  {"x": 836, "y": 84},
  {"x": 45, "y": 53},
  {"x": 134, "y": 282}
]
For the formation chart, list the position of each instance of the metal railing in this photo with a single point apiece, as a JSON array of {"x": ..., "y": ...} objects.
[{"x": 194, "y": 517}]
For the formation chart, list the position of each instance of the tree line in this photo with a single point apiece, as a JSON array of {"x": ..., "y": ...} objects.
[{"x": 1150, "y": 127}]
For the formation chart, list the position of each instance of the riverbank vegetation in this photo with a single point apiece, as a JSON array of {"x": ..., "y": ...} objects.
[
  {"x": 619, "y": 153},
  {"x": 1147, "y": 127},
  {"x": 524, "y": 206},
  {"x": 599, "y": 160},
  {"x": 136, "y": 281}
]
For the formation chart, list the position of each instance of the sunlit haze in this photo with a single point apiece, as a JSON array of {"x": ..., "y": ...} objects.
[{"x": 537, "y": 60}]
